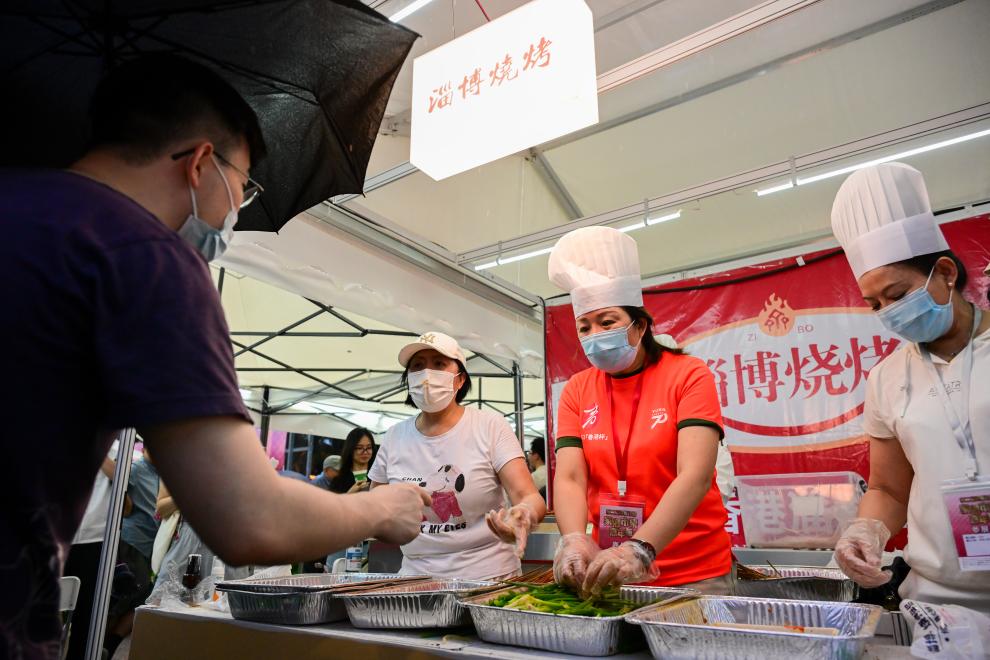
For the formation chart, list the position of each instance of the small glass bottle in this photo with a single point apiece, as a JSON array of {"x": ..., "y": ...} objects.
[{"x": 192, "y": 577}]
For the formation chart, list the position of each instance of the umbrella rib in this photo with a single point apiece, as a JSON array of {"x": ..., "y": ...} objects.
[
  {"x": 67, "y": 38},
  {"x": 78, "y": 17},
  {"x": 199, "y": 9},
  {"x": 254, "y": 76},
  {"x": 343, "y": 143},
  {"x": 133, "y": 33}
]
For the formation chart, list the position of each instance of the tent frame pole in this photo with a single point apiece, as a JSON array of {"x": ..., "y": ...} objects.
[{"x": 111, "y": 539}]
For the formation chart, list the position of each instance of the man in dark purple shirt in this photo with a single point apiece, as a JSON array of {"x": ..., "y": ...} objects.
[{"x": 112, "y": 321}]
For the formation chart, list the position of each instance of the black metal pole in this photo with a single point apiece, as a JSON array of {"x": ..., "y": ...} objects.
[
  {"x": 265, "y": 417},
  {"x": 111, "y": 538}
]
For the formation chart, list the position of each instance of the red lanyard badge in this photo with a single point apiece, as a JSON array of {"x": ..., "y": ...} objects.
[{"x": 622, "y": 453}]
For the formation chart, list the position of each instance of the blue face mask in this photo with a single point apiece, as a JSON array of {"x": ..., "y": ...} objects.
[
  {"x": 208, "y": 241},
  {"x": 917, "y": 317},
  {"x": 610, "y": 350}
]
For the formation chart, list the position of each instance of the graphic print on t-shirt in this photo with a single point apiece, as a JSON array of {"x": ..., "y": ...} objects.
[{"x": 444, "y": 514}]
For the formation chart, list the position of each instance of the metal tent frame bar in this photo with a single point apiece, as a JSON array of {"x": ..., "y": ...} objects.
[{"x": 383, "y": 396}]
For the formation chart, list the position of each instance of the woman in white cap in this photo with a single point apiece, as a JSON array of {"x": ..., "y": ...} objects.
[
  {"x": 637, "y": 437},
  {"x": 468, "y": 459},
  {"x": 928, "y": 404}
]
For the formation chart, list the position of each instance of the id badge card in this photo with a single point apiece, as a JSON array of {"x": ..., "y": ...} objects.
[
  {"x": 967, "y": 503},
  {"x": 619, "y": 516}
]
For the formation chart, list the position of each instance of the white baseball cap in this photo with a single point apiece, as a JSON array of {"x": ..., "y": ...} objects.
[
  {"x": 881, "y": 215},
  {"x": 437, "y": 341},
  {"x": 599, "y": 267}
]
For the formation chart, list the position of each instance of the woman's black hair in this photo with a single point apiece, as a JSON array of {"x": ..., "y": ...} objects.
[
  {"x": 345, "y": 476},
  {"x": 538, "y": 446},
  {"x": 461, "y": 393},
  {"x": 926, "y": 262},
  {"x": 652, "y": 347}
]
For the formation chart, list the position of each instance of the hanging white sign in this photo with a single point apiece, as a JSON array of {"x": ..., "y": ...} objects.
[{"x": 518, "y": 81}]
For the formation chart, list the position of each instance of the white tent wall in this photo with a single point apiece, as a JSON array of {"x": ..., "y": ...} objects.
[
  {"x": 316, "y": 261},
  {"x": 321, "y": 425},
  {"x": 504, "y": 198}
]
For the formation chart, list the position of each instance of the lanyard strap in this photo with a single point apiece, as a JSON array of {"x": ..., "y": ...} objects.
[
  {"x": 622, "y": 453},
  {"x": 961, "y": 428}
]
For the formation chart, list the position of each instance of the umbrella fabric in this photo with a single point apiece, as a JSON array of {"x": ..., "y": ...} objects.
[{"x": 317, "y": 72}]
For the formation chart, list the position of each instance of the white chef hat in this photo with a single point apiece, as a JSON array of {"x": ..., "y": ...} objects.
[
  {"x": 599, "y": 267},
  {"x": 881, "y": 215}
]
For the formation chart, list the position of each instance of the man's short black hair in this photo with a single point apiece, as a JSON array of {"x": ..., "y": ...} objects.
[{"x": 150, "y": 104}]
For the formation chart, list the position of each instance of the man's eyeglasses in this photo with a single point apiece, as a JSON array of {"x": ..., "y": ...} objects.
[{"x": 251, "y": 187}]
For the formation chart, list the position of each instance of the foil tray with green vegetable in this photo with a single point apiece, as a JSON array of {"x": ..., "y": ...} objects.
[
  {"x": 558, "y": 599},
  {"x": 551, "y": 618}
]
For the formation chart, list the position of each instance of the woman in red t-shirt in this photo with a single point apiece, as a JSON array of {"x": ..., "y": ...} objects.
[{"x": 637, "y": 437}]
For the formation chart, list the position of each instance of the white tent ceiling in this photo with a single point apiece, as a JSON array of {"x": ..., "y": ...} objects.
[{"x": 829, "y": 83}]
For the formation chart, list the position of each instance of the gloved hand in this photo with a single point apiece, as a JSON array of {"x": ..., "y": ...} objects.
[
  {"x": 570, "y": 562},
  {"x": 860, "y": 549},
  {"x": 629, "y": 562},
  {"x": 512, "y": 525}
]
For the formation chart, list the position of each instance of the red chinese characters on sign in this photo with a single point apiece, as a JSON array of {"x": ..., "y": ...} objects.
[
  {"x": 768, "y": 375},
  {"x": 537, "y": 56},
  {"x": 441, "y": 97},
  {"x": 471, "y": 85},
  {"x": 502, "y": 71}
]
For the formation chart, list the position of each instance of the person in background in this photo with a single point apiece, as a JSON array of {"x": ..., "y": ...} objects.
[
  {"x": 468, "y": 459},
  {"x": 123, "y": 327},
  {"x": 355, "y": 461},
  {"x": 537, "y": 459},
  {"x": 927, "y": 408},
  {"x": 184, "y": 543},
  {"x": 331, "y": 468},
  {"x": 84, "y": 555},
  {"x": 638, "y": 436},
  {"x": 137, "y": 538}
]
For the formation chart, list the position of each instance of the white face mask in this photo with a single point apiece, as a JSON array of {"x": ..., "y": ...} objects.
[
  {"x": 431, "y": 391},
  {"x": 208, "y": 241}
]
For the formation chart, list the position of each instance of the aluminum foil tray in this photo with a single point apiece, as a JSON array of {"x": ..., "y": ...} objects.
[
  {"x": 562, "y": 633},
  {"x": 303, "y": 583},
  {"x": 686, "y": 629},
  {"x": 293, "y": 600},
  {"x": 432, "y": 604},
  {"x": 799, "y": 583},
  {"x": 299, "y": 608}
]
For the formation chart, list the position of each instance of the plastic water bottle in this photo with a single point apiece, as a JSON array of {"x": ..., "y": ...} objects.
[{"x": 353, "y": 557}]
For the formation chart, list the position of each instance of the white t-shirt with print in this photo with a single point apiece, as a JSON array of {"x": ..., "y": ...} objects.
[{"x": 460, "y": 471}]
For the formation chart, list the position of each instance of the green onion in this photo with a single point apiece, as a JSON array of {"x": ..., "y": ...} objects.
[{"x": 557, "y": 599}]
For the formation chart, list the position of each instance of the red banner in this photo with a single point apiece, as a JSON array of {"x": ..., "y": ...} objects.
[{"x": 790, "y": 343}]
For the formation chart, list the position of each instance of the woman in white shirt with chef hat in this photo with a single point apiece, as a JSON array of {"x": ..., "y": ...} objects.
[
  {"x": 928, "y": 404},
  {"x": 469, "y": 460}
]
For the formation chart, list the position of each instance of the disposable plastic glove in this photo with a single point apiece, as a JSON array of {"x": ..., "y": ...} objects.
[
  {"x": 512, "y": 525},
  {"x": 623, "y": 564},
  {"x": 859, "y": 552},
  {"x": 570, "y": 561}
]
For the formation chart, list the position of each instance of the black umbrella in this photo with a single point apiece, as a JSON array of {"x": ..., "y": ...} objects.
[{"x": 317, "y": 72}]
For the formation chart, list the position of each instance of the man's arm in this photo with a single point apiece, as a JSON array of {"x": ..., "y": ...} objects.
[{"x": 224, "y": 485}]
